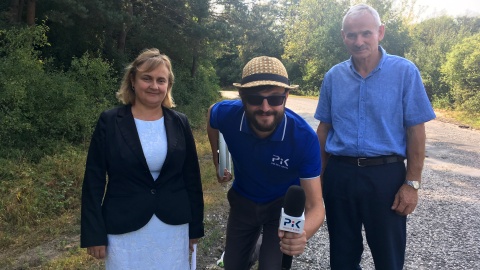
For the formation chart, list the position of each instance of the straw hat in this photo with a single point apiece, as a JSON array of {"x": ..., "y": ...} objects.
[{"x": 264, "y": 70}]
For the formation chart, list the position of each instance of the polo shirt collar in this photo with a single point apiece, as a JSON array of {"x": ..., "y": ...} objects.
[{"x": 277, "y": 135}]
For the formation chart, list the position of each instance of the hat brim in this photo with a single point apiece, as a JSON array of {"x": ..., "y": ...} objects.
[{"x": 261, "y": 83}]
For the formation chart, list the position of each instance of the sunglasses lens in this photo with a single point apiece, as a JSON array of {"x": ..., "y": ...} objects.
[
  {"x": 275, "y": 100},
  {"x": 256, "y": 100}
]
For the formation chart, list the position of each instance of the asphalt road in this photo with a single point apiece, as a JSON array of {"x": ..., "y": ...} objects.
[{"x": 444, "y": 230}]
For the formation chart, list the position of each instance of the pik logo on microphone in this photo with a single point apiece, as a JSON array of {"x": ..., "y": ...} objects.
[{"x": 292, "y": 224}]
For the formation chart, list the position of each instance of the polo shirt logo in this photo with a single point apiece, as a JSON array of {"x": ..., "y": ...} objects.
[{"x": 280, "y": 162}]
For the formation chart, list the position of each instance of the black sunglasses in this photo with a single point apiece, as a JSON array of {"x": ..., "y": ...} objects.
[{"x": 257, "y": 100}]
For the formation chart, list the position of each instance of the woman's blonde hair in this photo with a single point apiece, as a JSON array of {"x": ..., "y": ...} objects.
[{"x": 150, "y": 59}]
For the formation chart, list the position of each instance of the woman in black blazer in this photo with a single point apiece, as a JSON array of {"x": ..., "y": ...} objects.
[{"x": 142, "y": 200}]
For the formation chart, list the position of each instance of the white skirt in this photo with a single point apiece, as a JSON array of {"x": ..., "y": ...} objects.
[{"x": 156, "y": 246}]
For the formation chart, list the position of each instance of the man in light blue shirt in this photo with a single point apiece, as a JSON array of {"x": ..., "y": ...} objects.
[{"x": 372, "y": 110}]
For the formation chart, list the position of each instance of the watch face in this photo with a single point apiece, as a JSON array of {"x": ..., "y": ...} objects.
[{"x": 414, "y": 184}]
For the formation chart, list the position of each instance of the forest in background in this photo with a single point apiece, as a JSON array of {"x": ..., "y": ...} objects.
[
  {"x": 61, "y": 62},
  {"x": 66, "y": 56}
]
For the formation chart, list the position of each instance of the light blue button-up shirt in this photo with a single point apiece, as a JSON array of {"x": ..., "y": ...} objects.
[{"x": 369, "y": 116}]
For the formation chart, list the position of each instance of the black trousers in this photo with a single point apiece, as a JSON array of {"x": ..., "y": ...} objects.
[
  {"x": 246, "y": 221},
  {"x": 356, "y": 196}
]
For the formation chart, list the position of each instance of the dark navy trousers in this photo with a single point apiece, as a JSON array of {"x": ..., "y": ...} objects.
[{"x": 356, "y": 196}]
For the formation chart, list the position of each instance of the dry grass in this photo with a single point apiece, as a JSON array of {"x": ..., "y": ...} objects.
[{"x": 459, "y": 118}]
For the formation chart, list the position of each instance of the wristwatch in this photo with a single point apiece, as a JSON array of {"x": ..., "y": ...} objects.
[{"x": 413, "y": 183}]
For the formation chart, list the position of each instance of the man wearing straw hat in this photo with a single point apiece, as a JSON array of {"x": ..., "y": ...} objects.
[{"x": 272, "y": 149}]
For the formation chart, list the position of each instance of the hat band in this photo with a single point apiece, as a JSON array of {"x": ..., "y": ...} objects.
[{"x": 265, "y": 77}]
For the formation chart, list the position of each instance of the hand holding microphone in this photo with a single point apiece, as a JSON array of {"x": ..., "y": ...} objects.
[{"x": 292, "y": 222}]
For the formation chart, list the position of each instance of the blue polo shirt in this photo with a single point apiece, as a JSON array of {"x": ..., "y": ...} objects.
[
  {"x": 369, "y": 116},
  {"x": 265, "y": 168}
]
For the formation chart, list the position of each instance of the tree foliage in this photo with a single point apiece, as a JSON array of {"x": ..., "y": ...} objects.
[
  {"x": 313, "y": 41},
  {"x": 432, "y": 40},
  {"x": 462, "y": 73},
  {"x": 250, "y": 29},
  {"x": 72, "y": 53},
  {"x": 397, "y": 39},
  {"x": 41, "y": 108},
  {"x": 313, "y": 38}
]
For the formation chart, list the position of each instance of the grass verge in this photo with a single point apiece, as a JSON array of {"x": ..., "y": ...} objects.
[{"x": 463, "y": 119}]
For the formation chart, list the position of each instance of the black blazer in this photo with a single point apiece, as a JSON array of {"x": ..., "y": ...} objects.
[{"x": 132, "y": 195}]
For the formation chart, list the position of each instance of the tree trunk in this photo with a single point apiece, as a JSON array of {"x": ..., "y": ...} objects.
[
  {"x": 15, "y": 11},
  {"x": 194, "y": 67},
  {"x": 122, "y": 36},
  {"x": 121, "y": 40},
  {"x": 31, "y": 12}
]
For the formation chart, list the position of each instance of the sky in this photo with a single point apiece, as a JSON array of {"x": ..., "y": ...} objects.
[
  {"x": 432, "y": 8},
  {"x": 428, "y": 8}
]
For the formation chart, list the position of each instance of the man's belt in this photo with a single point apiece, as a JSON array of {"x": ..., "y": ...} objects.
[{"x": 369, "y": 161}]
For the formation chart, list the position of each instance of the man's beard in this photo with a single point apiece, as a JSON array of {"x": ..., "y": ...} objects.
[{"x": 278, "y": 117}]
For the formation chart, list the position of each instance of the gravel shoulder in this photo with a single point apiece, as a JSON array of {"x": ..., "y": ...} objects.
[{"x": 444, "y": 230}]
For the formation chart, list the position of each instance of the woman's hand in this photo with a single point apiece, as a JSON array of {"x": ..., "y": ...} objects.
[
  {"x": 98, "y": 252},
  {"x": 191, "y": 243}
]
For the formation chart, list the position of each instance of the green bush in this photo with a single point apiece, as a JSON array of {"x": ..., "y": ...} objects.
[
  {"x": 98, "y": 79},
  {"x": 461, "y": 72},
  {"x": 442, "y": 102},
  {"x": 99, "y": 83},
  {"x": 194, "y": 95},
  {"x": 40, "y": 109}
]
